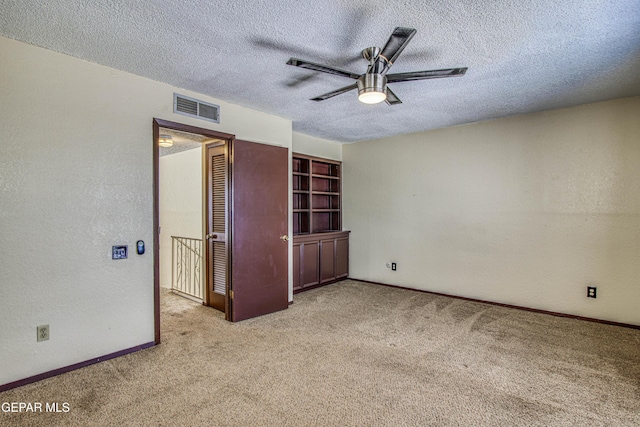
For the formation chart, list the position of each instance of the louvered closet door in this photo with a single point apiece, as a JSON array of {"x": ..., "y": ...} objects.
[{"x": 217, "y": 226}]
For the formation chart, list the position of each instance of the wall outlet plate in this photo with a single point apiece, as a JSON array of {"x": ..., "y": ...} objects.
[
  {"x": 591, "y": 291},
  {"x": 393, "y": 266},
  {"x": 42, "y": 333}
]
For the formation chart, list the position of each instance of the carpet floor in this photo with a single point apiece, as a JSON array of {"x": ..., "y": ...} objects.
[{"x": 356, "y": 354}]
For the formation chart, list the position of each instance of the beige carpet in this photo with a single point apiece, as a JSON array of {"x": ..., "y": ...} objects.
[{"x": 355, "y": 354}]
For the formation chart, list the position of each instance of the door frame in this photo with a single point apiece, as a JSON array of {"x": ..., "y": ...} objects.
[{"x": 157, "y": 124}]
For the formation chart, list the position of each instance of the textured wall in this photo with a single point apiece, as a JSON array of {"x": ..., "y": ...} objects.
[
  {"x": 527, "y": 210},
  {"x": 75, "y": 179},
  {"x": 180, "y": 203},
  {"x": 312, "y": 146}
]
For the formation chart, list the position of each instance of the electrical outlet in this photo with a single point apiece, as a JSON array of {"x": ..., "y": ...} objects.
[
  {"x": 42, "y": 332},
  {"x": 591, "y": 291},
  {"x": 393, "y": 266}
]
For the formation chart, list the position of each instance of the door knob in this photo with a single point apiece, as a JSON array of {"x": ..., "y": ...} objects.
[
  {"x": 211, "y": 236},
  {"x": 284, "y": 238}
]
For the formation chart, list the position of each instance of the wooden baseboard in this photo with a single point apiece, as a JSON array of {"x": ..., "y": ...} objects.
[
  {"x": 39, "y": 377},
  {"x": 517, "y": 307},
  {"x": 319, "y": 285}
]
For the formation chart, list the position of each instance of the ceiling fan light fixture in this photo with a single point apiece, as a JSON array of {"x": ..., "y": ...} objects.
[
  {"x": 372, "y": 88},
  {"x": 372, "y": 97},
  {"x": 165, "y": 141}
]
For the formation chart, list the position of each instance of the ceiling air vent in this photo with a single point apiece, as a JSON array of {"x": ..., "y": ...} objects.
[{"x": 194, "y": 108}]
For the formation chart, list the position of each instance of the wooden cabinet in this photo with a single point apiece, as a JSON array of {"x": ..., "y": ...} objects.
[
  {"x": 320, "y": 259},
  {"x": 320, "y": 247}
]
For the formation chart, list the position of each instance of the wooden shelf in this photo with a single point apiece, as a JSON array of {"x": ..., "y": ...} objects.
[
  {"x": 315, "y": 175},
  {"x": 317, "y": 200}
]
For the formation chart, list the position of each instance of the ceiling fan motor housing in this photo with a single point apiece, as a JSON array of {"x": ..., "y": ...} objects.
[{"x": 372, "y": 83}]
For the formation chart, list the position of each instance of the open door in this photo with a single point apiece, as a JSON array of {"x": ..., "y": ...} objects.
[
  {"x": 216, "y": 226},
  {"x": 259, "y": 230}
]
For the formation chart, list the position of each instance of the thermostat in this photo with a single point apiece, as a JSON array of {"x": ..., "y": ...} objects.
[{"x": 119, "y": 252}]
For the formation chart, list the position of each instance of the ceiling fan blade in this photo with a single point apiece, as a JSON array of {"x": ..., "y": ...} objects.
[
  {"x": 423, "y": 75},
  {"x": 396, "y": 43},
  {"x": 323, "y": 68},
  {"x": 392, "y": 99},
  {"x": 335, "y": 92}
]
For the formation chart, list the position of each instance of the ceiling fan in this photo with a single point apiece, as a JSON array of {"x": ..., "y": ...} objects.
[{"x": 372, "y": 85}]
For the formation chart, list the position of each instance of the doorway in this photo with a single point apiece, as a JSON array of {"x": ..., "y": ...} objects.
[
  {"x": 246, "y": 224},
  {"x": 181, "y": 204}
]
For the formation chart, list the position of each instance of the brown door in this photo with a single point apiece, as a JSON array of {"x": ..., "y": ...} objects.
[
  {"x": 217, "y": 226},
  {"x": 259, "y": 228}
]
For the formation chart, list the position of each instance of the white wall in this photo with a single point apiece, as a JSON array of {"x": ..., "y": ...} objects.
[
  {"x": 180, "y": 203},
  {"x": 75, "y": 179},
  {"x": 313, "y": 146},
  {"x": 526, "y": 210}
]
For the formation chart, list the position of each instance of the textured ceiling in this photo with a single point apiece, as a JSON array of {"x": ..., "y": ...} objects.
[
  {"x": 523, "y": 56},
  {"x": 183, "y": 141}
]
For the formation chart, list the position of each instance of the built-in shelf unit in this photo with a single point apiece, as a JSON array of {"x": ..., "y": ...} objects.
[{"x": 321, "y": 247}]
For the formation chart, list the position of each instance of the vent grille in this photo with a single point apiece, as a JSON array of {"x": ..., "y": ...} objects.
[
  {"x": 195, "y": 108},
  {"x": 186, "y": 106}
]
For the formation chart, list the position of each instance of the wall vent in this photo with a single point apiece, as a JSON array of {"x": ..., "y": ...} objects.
[{"x": 195, "y": 108}]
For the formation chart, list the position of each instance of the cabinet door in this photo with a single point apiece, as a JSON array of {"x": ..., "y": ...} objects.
[
  {"x": 309, "y": 253},
  {"x": 342, "y": 257},
  {"x": 327, "y": 260},
  {"x": 297, "y": 273}
]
